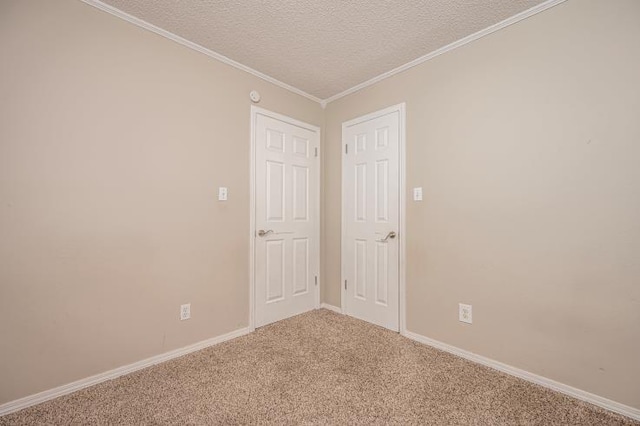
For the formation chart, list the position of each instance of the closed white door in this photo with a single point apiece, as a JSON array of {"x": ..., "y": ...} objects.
[
  {"x": 287, "y": 222},
  {"x": 371, "y": 212}
]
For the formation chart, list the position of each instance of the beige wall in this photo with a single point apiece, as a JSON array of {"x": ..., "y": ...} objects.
[
  {"x": 113, "y": 141},
  {"x": 527, "y": 145}
]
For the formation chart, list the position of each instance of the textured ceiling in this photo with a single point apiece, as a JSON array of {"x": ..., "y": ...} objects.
[{"x": 323, "y": 47}]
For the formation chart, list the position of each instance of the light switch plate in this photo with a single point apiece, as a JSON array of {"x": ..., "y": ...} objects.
[
  {"x": 417, "y": 194},
  {"x": 222, "y": 193}
]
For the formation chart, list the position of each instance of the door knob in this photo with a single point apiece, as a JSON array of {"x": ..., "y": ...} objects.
[
  {"x": 262, "y": 232},
  {"x": 391, "y": 235}
]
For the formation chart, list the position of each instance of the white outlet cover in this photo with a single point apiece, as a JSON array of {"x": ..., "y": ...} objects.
[
  {"x": 465, "y": 313},
  {"x": 185, "y": 311}
]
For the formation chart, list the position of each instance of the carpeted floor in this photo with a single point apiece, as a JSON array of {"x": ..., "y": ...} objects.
[{"x": 317, "y": 368}]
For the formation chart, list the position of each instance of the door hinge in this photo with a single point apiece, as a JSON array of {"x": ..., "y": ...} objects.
[
  {"x": 345, "y": 284},
  {"x": 346, "y": 148},
  {"x": 316, "y": 280},
  {"x": 316, "y": 152}
]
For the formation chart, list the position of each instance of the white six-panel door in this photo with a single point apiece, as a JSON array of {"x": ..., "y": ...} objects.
[
  {"x": 286, "y": 238},
  {"x": 371, "y": 209}
]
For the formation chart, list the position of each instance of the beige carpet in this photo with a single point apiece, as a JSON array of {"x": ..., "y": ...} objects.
[{"x": 317, "y": 368}]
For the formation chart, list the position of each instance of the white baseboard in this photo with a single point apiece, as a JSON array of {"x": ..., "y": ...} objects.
[
  {"x": 47, "y": 395},
  {"x": 38, "y": 398},
  {"x": 605, "y": 403},
  {"x": 330, "y": 307}
]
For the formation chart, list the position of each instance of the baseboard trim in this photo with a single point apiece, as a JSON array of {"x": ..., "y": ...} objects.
[
  {"x": 330, "y": 307},
  {"x": 19, "y": 404},
  {"x": 605, "y": 403},
  {"x": 28, "y": 401}
]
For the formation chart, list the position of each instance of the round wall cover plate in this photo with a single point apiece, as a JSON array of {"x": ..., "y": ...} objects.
[{"x": 254, "y": 96}]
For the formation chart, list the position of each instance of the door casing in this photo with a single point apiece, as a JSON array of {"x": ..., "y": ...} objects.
[
  {"x": 400, "y": 109},
  {"x": 252, "y": 204}
]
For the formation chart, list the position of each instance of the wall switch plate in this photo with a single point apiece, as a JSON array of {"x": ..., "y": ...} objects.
[
  {"x": 185, "y": 312},
  {"x": 222, "y": 193},
  {"x": 465, "y": 313},
  {"x": 417, "y": 194}
]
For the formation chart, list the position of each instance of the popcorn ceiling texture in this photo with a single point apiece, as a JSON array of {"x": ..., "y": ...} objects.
[
  {"x": 323, "y": 47},
  {"x": 317, "y": 368}
]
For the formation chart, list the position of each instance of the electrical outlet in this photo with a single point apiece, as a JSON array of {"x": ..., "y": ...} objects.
[
  {"x": 465, "y": 313},
  {"x": 185, "y": 312}
]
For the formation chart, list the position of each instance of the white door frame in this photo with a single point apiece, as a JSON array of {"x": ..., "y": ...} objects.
[
  {"x": 400, "y": 109},
  {"x": 255, "y": 111}
]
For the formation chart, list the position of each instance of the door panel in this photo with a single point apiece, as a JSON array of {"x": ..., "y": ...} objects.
[
  {"x": 300, "y": 193},
  {"x": 274, "y": 196},
  {"x": 382, "y": 191},
  {"x": 360, "y": 269},
  {"x": 382, "y": 273},
  {"x": 275, "y": 270},
  {"x": 371, "y": 206},
  {"x": 286, "y": 209},
  {"x": 361, "y": 192},
  {"x": 301, "y": 266}
]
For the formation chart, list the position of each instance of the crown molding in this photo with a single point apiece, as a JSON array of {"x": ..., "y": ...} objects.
[
  {"x": 191, "y": 45},
  {"x": 449, "y": 47},
  {"x": 324, "y": 102}
]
